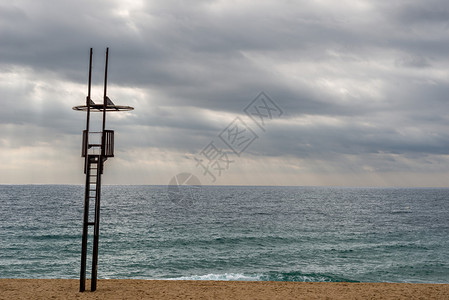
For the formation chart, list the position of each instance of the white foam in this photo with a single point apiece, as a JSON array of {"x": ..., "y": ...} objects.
[{"x": 220, "y": 277}]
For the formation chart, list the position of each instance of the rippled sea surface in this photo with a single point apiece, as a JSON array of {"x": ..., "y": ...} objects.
[{"x": 231, "y": 233}]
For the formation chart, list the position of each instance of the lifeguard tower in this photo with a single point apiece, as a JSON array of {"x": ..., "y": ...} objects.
[{"x": 97, "y": 147}]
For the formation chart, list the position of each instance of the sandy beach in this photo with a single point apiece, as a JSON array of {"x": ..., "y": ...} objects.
[{"x": 168, "y": 289}]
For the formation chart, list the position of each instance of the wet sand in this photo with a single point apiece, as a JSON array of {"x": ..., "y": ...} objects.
[{"x": 186, "y": 289}]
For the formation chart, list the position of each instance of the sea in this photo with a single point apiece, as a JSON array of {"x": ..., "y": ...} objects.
[{"x": 257, "y": 233}]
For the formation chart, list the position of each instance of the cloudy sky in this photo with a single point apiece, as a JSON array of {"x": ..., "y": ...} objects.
[{"x": 358, "y": 90}]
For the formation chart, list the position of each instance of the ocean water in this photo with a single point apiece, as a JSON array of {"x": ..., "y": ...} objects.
[{"x": 231, "y": 233}]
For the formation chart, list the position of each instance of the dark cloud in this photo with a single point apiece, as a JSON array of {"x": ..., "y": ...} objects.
[{"x": 365, "y": 80}]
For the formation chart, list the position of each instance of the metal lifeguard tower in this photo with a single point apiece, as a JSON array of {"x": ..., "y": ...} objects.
[{"x": 97, "y": 147}]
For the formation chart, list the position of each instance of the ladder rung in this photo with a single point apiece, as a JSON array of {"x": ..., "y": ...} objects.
[{"x": 90, "y": 223}]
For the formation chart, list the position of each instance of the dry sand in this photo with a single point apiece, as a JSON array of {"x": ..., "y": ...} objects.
[{"x": 165, "y": 289}]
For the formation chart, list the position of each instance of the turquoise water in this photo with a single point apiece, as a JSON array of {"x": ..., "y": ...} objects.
[{"x": 231, "y": 233}]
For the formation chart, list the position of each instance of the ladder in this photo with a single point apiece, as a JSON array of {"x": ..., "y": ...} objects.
[{"x": 94, "y": 169}]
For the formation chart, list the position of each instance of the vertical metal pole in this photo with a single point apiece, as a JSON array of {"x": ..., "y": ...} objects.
[
  {"x": 85, "y": 235},
  {"x": 86, "y": 191},
  {"x": 104, "y": 102},
  {"x": 98, "y": 190},
  {"x": 88, "y": 100}
]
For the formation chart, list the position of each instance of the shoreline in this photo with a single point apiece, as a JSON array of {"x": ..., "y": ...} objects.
[{"x": 202, "y": 289}]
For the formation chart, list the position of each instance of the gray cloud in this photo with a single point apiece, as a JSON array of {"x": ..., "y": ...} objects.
[{"x": 365, "y": 80}]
